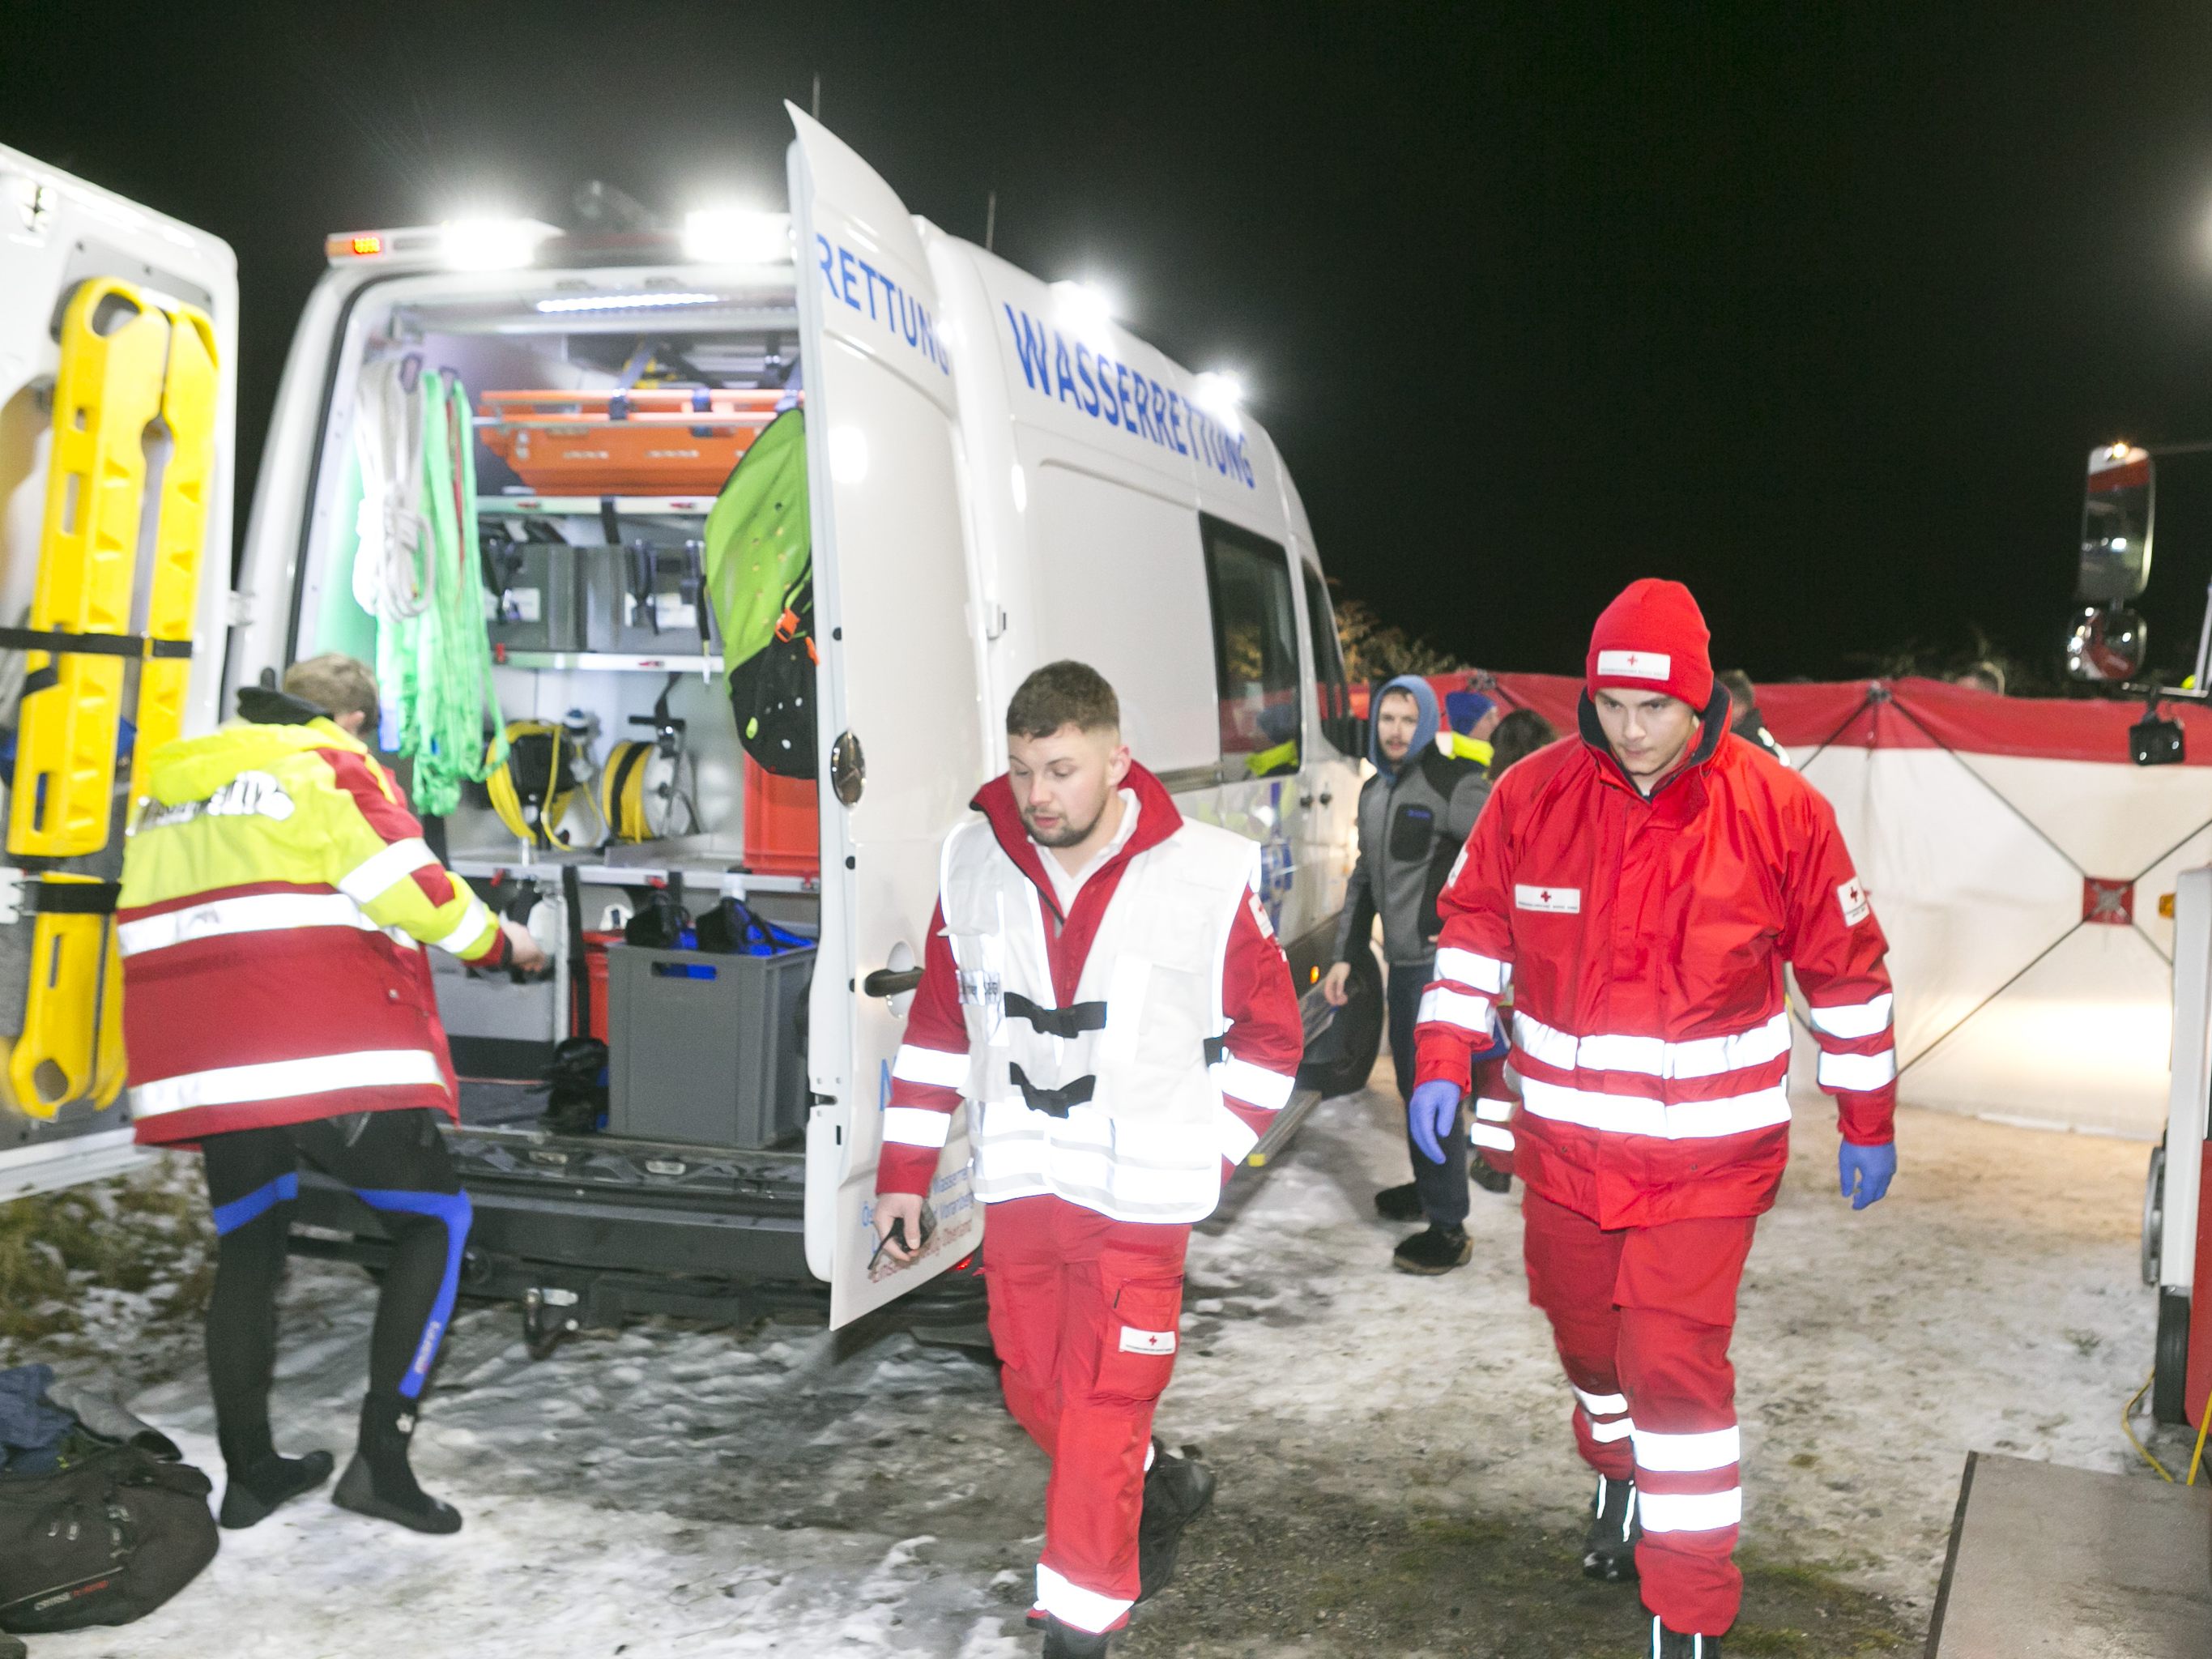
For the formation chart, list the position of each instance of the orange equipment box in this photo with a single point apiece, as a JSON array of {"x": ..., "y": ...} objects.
[
  {"x": 676, "y": 441},
  {"x": 783, "y": 823}
]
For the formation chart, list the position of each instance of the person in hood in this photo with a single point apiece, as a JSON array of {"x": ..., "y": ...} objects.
[
  {"x": 1414, "y": 815},
  {"x": 1642, "y": 891},
  {"x": 1102, "y": 981},
  {"x": 276, "y": 880}
]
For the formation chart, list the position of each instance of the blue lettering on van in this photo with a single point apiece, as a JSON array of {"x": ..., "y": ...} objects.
[
  {"x": 902, "y": 316},
  {"x": 1125, "y": 398}
]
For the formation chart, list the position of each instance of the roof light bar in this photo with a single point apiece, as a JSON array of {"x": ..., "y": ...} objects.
[
  {"x": 737, "y": 236},
  {"x": 492, "y": 244}
]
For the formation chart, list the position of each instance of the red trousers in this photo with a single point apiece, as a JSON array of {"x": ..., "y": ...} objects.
[
  {"x": 1643, "y": 1317},
  {"x": 1083, "y": 1314}
]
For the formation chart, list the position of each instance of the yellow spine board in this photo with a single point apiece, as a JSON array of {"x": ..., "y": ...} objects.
[
  {"x": 108, "y": 389},
  {"x": 54, "y": 1062},
  {"x": 188, "y": 410}
]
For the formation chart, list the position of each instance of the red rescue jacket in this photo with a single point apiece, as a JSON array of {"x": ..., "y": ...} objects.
[{"x": 1645, "y": 941}]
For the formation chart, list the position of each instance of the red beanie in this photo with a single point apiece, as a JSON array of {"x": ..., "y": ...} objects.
[{"x": 1652, "y": 638}]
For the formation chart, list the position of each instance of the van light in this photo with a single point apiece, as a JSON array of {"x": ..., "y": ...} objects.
[
  {"x": 625, "y": 302},
  {"x": 1086, "y": 310},
  {"x": 1220, "y": 395},
  {"x": 492, "y": 244},
  {"x": 355, "y": 245},
  {"x": 737, "y": 236}
]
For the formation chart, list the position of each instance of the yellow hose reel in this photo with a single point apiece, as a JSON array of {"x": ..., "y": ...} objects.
[{"x": 530, "y": 791}]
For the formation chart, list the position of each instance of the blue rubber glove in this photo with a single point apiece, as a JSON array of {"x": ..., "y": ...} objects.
[
  {"x": 1431, "y": 1114},
  {"x": 1868, "y": 1169}
]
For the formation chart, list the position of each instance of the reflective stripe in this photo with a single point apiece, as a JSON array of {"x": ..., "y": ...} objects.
[
  {"x": 275, "y": 1079},
  {"x": 1858, "y": 1071},
  {"x": 1484, "y": 1134},
  {"x": 1602, "y": 1404},
  {"x": 1237, "y": 1136},
  {"x": 473, "y": 921},
  {"x": 1490, "y": 1111},
  {"x": 1690, "y": 1512},
  {"x": 1071, "y": 1604},
  {"x": 1851, "y": 1020},
  {"x": 1628, "y": 1115},
  {"x": 1469, "y": 1013},
  {"x": 255, "y": 913},
  {"x": 916, "y": 1126},
  {"x": 386, "y": 870},
  {"x": 1466, "y": 968},
  {"x": 1254, "y": 1085},
  {"x": 1654, "y": 1056},
  {"x": 933, "y": 1068},
  {"x": 1606, "y": 1433},
  {"x": 1688, "y": 1454}
]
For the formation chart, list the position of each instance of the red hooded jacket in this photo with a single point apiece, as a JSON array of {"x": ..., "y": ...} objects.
[{"x": 1644, "y": 942}]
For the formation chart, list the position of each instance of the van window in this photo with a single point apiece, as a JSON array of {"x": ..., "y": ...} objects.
[
  {"x": 1330, "y": 692},
  {"x": 1255, "y": 648}
]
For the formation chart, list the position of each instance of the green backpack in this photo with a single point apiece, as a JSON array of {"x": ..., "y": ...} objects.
[{"x": 760, "y": 577}]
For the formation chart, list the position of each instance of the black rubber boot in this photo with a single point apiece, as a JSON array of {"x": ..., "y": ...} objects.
[
  {"x": 250, "y": 1494},
  {"x": 1490, "y": 1180},
  {"x": 379, "y": 1482},
  {"x": 1609, "y": 1551},
  {"x": 1066, "y": 1642},
  {"x": 1176, "y": 1492},
  {"x": 1673, "y": 1644},
  {"x": 1399, "y": 1203},
  {"x": 1438, "y": 1250}
]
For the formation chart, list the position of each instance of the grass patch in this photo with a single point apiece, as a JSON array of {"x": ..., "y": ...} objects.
[{"x": 112, "y": 1253}]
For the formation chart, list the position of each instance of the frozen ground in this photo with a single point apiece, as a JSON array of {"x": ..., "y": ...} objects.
[{"x": 1396, "y": 1476}]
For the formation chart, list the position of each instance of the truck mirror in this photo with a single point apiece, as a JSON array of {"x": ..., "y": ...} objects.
[
  {"x": 2108, "y": 645},
  {"x": 2117, "y": 521}
]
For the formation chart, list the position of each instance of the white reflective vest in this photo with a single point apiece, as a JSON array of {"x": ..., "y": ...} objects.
[{"x": 1114, "y": 1102}]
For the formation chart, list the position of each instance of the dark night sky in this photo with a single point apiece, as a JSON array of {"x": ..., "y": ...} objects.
[{"x": 1819, "y": 312}]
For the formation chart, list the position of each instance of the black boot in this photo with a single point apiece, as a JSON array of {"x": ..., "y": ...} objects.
[
  {"x": 1609, "y": 1551},
  {"x": 250, "y": 1493},
  {"x": 1490, "y": 1180},
  {"x": 379, "y": 1481},
  {"x": 1176, "y": 1492},
  {"x": 1435, "y": 1251},
  {"x": 1673, "y": 1644},
  {"x": 1399, "y": 1203},
  {"x": 1066, "y": 1642}
]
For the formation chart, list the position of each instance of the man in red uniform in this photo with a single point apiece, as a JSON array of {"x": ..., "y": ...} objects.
[
  {"x": 1102, "y": 980},
  {"x": 1641, "y": 890}
]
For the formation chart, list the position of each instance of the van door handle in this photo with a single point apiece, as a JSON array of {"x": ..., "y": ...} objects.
[
  {"x": 889, "y": 982},
  {"x": 1325, "y": 798}
]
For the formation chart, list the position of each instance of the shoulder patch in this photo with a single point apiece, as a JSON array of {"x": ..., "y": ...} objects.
[{"x": 1853, "y": 896}]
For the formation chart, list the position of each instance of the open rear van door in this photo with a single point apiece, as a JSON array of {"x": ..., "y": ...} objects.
[
  {"x": 118, "y": 328},
  {"x": 902, "y": 726}
]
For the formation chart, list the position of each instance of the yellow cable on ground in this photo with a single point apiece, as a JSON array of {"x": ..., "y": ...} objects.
[
  {"x": 2203, "y": 1422},
  {"x": 2128, "y": 1428}
]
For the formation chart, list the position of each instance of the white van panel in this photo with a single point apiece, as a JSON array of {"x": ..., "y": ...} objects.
[{"x": 900, "y": 675}]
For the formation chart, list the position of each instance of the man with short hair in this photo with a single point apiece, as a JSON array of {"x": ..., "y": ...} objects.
[
  {"x": 1102, "y": 981},
  {"x": 1642, "y": 891},
  {"x": 1414, "y": 815},
  {"x": 277, "y": 1007}
]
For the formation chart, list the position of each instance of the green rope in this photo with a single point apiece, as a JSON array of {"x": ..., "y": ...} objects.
[{"x": 436, "y": 667}]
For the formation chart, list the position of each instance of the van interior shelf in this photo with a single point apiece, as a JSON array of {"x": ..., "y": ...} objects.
[
  {"x": 577, "y": 507},
  {"x": 614, "y": 661},
  {"x": 592, "y": 869}
]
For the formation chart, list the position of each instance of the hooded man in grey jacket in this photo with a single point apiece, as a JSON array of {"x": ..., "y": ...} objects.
[{"x": 1415, "y": 814}]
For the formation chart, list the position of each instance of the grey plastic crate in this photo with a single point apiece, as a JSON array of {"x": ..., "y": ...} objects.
[{"x": 705, "y": 1049}]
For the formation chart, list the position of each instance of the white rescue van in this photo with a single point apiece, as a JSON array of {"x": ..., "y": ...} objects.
[{"x": 998, "y": 476}]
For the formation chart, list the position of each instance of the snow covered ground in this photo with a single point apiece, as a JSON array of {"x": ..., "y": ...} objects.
[{"x": 1396, "y": 1475}]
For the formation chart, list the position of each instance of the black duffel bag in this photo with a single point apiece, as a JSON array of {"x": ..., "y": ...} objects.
[{"x": 102, "y": 1542}]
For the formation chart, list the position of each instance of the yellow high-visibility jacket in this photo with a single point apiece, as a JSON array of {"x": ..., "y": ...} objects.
[{"x": 277, "y": 897}]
